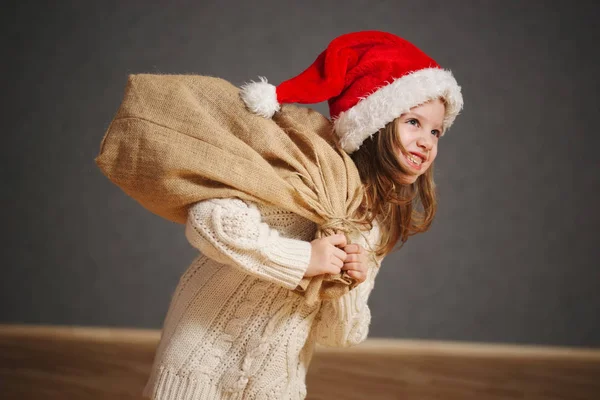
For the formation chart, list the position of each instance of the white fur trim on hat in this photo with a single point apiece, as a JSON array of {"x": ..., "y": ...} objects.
[
  {"x": 389, "y": 102},
  {"x": 260, "y": 97}
]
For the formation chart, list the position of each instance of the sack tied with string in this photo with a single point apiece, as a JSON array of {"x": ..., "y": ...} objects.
[{"x": 180, "y": 139}]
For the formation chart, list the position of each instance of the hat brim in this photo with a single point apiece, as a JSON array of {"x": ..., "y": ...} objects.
[{"x": 389, "y": 102}]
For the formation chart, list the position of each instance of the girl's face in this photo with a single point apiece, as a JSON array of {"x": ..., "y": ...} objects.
[{"x": 419, "y": 131}]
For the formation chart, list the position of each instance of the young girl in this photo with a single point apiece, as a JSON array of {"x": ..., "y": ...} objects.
[{"x": 235, "y": 328}]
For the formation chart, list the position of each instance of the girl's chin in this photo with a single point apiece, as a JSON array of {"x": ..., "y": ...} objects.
[{"x": 409, "y": 179}]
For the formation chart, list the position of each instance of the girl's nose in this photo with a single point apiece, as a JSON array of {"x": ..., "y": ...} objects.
[{"x": 425, "y": 142}]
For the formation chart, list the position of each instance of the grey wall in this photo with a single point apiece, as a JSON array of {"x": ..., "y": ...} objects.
[{"x": 512, "y": 256}]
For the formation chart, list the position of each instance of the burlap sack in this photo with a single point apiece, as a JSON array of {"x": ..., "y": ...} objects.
[{"x": 180, "y": 139}]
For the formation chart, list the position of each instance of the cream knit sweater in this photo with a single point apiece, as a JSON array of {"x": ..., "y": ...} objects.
[{"x": 235, "y": 329}]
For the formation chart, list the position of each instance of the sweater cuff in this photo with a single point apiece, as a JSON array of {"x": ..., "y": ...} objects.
[{"x": 290, "y": 258}]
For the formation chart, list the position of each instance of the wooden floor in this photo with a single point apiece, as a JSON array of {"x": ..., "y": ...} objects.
[{"x": 38, "y": 362}]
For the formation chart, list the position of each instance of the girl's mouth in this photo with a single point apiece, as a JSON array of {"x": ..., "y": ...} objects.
[{"x": 414, "y": 161}]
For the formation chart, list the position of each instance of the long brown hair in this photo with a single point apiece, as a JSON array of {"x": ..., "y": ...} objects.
[{"x": 401, "y": 209}]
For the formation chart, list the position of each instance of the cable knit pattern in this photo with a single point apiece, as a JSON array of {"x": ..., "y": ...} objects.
[{"x": 235, "y": 329}]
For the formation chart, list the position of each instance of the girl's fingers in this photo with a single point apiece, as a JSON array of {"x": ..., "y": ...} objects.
[
  {"x": 352, "y": 258},
  {"x": 337, "y": 262},
  {"x": 359, "y": 276},
  {"x": 354, "y": 266},
  {"x": 339, "y": 253},
  {"x": 337, "y": 239},
  {"x": 354, "y": 248},
  {"x": 356, "y": 258}
]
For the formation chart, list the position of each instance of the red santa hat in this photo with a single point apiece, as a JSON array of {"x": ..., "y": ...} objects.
[{"x": 369, "y": 79}]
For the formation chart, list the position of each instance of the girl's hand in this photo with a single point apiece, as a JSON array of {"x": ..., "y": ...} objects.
[
  {"x": 326, "y": 257},
  {"x": 356, "y": 262}
]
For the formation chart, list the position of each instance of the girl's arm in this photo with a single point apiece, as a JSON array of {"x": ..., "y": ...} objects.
[
  {"x": 232, "y": 232},
  {"x": 344, "y": 322}
]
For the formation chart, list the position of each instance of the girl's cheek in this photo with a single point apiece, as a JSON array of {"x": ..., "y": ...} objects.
[{"x": 432, "y": 157}]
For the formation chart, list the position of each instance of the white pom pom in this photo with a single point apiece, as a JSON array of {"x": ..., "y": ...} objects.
[{"x": 260, "y": 97}]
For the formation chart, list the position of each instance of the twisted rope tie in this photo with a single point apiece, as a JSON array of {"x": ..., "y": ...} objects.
[{"x": 347, "y": 226}]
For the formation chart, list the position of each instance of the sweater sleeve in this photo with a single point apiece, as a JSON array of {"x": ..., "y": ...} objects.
[
  {"x": 232, "y": 232},
  {"x": 344, "y": 322}
]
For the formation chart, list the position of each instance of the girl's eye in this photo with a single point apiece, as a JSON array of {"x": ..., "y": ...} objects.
[
  {"x": 413, "y": 121},
  {"x": 436, "y": 133}
]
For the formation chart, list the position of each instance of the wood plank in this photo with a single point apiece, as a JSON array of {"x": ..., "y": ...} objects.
[
  {"x": 402, "y": 369},
  {"x": 39, "y": 362},
  {"x": 52, "y": 362}
]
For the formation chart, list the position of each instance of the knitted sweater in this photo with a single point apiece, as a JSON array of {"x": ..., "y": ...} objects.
[{"x": 235, "y": 329}]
